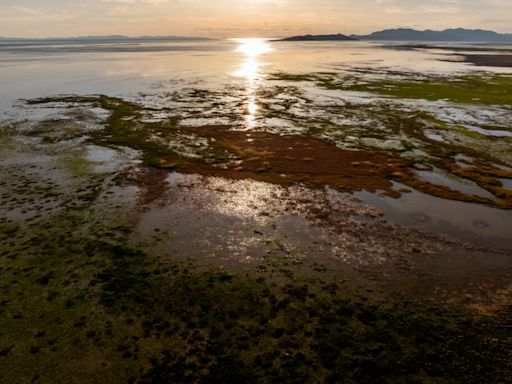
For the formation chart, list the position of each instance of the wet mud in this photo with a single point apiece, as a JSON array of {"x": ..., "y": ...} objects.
[{"x": 489, "y": 60}]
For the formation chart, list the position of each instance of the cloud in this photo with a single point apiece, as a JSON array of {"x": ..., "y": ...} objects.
[
  {"x": 231, "y": 17},
  {"x": 22, "y": 14},
  {"x": 137, "y": 2}
]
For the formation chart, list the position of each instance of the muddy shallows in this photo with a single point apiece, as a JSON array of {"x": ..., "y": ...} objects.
[{"x": 176, "y": 238}]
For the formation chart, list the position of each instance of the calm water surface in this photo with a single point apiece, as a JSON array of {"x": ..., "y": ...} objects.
[{"x": 40, "y": 69}]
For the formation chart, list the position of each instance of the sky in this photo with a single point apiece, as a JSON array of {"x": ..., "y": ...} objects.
[{"x": 244, "y": 18}]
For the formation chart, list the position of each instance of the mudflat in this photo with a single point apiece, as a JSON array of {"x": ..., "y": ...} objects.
[{"x": 497, "y": 60}]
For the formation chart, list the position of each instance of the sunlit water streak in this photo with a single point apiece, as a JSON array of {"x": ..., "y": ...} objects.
[{"x": 252, "y": 49}]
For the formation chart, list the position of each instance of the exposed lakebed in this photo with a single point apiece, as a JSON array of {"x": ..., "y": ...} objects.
[{"x": 277, "y": 225}]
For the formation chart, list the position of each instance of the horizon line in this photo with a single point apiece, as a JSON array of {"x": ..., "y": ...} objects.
[{"x": 257, "y": 35}]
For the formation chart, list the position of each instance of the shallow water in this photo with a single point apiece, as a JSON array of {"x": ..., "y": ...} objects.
[
  {"x": 476, "y": 223},
  {"x": 465, "y": 186},
  {"x": 47, "y": 69},
  {"x": 232, "y": 79}
]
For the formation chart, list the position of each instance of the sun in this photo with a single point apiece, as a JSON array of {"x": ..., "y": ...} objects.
[{"x": 253, "y": 47}]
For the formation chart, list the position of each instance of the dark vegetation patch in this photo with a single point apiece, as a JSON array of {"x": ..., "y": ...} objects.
[{"x": 79, "y": 304}]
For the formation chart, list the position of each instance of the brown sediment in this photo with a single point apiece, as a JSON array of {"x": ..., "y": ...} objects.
[
  {"x": 290, "y": 159},
  {"x": 484, "y": 176},
  {"x": 446, "y": 192}
]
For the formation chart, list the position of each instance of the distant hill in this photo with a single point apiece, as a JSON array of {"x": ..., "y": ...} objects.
[
  {"x": 458, "y": 34},
  {"x": 337, "y": 37}
]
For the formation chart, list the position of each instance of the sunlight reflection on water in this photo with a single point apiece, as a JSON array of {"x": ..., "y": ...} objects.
[{"x": 252, "y": 49}]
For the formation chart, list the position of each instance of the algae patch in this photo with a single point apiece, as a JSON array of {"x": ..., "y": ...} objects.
[
  {"x": 470, "y": 89},
  {"x": 401, "y": 134}
]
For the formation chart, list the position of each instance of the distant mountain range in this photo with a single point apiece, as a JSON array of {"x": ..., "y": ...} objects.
[
  {"x": 458, "y": 34},
  {"x": 405, "y": 34},
  {"x": 102, "y": 39},
  {"x": 337, "y": 37}
]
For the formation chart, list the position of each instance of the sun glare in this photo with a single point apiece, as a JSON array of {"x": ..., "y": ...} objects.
[{"x": 253, "y": 47}]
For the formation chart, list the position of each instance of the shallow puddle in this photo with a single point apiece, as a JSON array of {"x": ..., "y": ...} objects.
[
  {"x": 482, "y": 225},
  {"x": 507, "y": 183},
  {"x": 439, "y": 177},
  {"x": 489, "y": 132}
]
